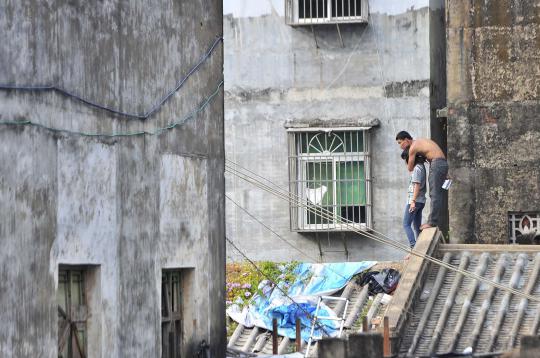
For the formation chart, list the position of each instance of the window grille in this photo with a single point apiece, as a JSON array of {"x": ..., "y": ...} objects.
[
  {"x": 329, "y": 171},
  {"x": 312, "y": 12},
  {"x": 171, "y": 313},
  {"x": 524, "y": 227},
  {"x": 72, "y": 313}
]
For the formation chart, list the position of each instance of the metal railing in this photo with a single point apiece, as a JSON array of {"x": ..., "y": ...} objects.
[
  {"x": 312, "y": 12},
  {"x": 330, "y": 170}
]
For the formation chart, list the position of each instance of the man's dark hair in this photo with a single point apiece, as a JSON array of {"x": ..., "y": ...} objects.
[{"x": 403, "y": 135}]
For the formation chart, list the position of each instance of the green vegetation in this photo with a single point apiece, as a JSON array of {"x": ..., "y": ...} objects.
[{"x": 243, "y": 279}]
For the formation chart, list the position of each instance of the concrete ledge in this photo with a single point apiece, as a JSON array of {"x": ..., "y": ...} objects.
[
  {"x": 365, "y": 122},
  {"x": 488, "y": 248},
  {"x": 410, "y": 285}
]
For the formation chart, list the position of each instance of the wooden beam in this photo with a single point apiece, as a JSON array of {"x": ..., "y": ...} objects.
[
  {"x": 298, "y": 336},
  {"x": 274, "y": 336},
  {"x": 387, "y": 351}
]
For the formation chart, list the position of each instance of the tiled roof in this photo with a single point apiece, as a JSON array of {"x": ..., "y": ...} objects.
[
  {"x": 258, "y": 340},
  {"x": 436, "y": 310}
]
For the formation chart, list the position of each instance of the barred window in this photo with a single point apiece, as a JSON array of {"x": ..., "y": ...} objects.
[
  {"x": 311, "y": 12},
  {"x": 329, "y": 173},
  {"x": 524, "y": 227}
]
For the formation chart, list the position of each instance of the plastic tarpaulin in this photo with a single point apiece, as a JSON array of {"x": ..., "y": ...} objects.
[{"x": 312, "y": 280}]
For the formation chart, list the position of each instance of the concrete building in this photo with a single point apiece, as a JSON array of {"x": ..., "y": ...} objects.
[
  {"x": 493, "y": 127},
  {"x": 357, "y": 79},
  {"x": 112, "y": 244}
]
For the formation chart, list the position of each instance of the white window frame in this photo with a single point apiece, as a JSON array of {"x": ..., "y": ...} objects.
[
  {"x": 298, "y": 178},
  {"x": 292, "y": 13}
]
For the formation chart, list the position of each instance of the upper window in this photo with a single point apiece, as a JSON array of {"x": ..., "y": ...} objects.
[
  {"x": 329, "y": 174},
  {"x": 310, "y": 12}
]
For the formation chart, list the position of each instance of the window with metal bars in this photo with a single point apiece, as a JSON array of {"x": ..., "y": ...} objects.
[
  {"x": 171, "y": 313},
  {"x": 329, "y": 176},
  {"x": 311, "y": 12},
  {"x": 72, "y": 313},
  {"x": 524, "y": 227}
]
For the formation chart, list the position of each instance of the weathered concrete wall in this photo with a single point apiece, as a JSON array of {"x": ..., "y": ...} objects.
[
  {"x": 274, "y": 73},
  {"x": 129, "y": 206},
  {"x": 493, "y": 128}
]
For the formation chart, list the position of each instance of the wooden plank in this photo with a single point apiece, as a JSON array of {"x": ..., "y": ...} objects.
[
  {"x": 387, "y": 351},
  {"x": 274, "y": 336},
  {"x": 298, "y": 336}
]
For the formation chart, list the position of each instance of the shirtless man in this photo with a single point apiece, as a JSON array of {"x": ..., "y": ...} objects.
[{"x": 438, "y": 170}]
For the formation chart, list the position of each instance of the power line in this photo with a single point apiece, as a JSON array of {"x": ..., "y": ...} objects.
[
  {"x": 156, "y": 131},
  {"x": 318, "y": 210},
  {"x": 269, "y": 229},
  {"x": 308, "y": 315},
  {"x": 155, "y": 108},
  {"x": 295, "y": 247},
  {"x": 281, "y": 237}
]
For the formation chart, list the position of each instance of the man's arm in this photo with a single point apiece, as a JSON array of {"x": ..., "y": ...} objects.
[{"x": 412, "y": 157}]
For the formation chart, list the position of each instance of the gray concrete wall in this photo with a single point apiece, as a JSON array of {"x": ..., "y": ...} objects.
[
  {"x": 493, "y": 107},
  {"x": 274, "y": 73},
  {"x": 128, "y": 206}
]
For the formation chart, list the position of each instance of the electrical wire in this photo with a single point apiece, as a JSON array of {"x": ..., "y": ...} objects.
[
  {"x": 270, "y": 229},
  {"x": 281, "y": 237},
  {"x": 155, "y": 108},
  {"x": 156, "y": 131},
  {"x": 325, "y": 214},
  {"x": 308, "y": 315},
  {"x": 251, "y": 177},
  {"x": 405, "y": 309}
]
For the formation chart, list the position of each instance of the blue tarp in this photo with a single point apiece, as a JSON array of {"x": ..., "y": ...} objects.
[{"x": 312, "y": 280}]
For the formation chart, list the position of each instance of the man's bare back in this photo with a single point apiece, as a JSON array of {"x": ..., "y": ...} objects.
[{"x": 427, "y": 148}]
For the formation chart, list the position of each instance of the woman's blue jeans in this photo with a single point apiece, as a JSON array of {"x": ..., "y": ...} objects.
[{"x": 413, "y": 219}]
